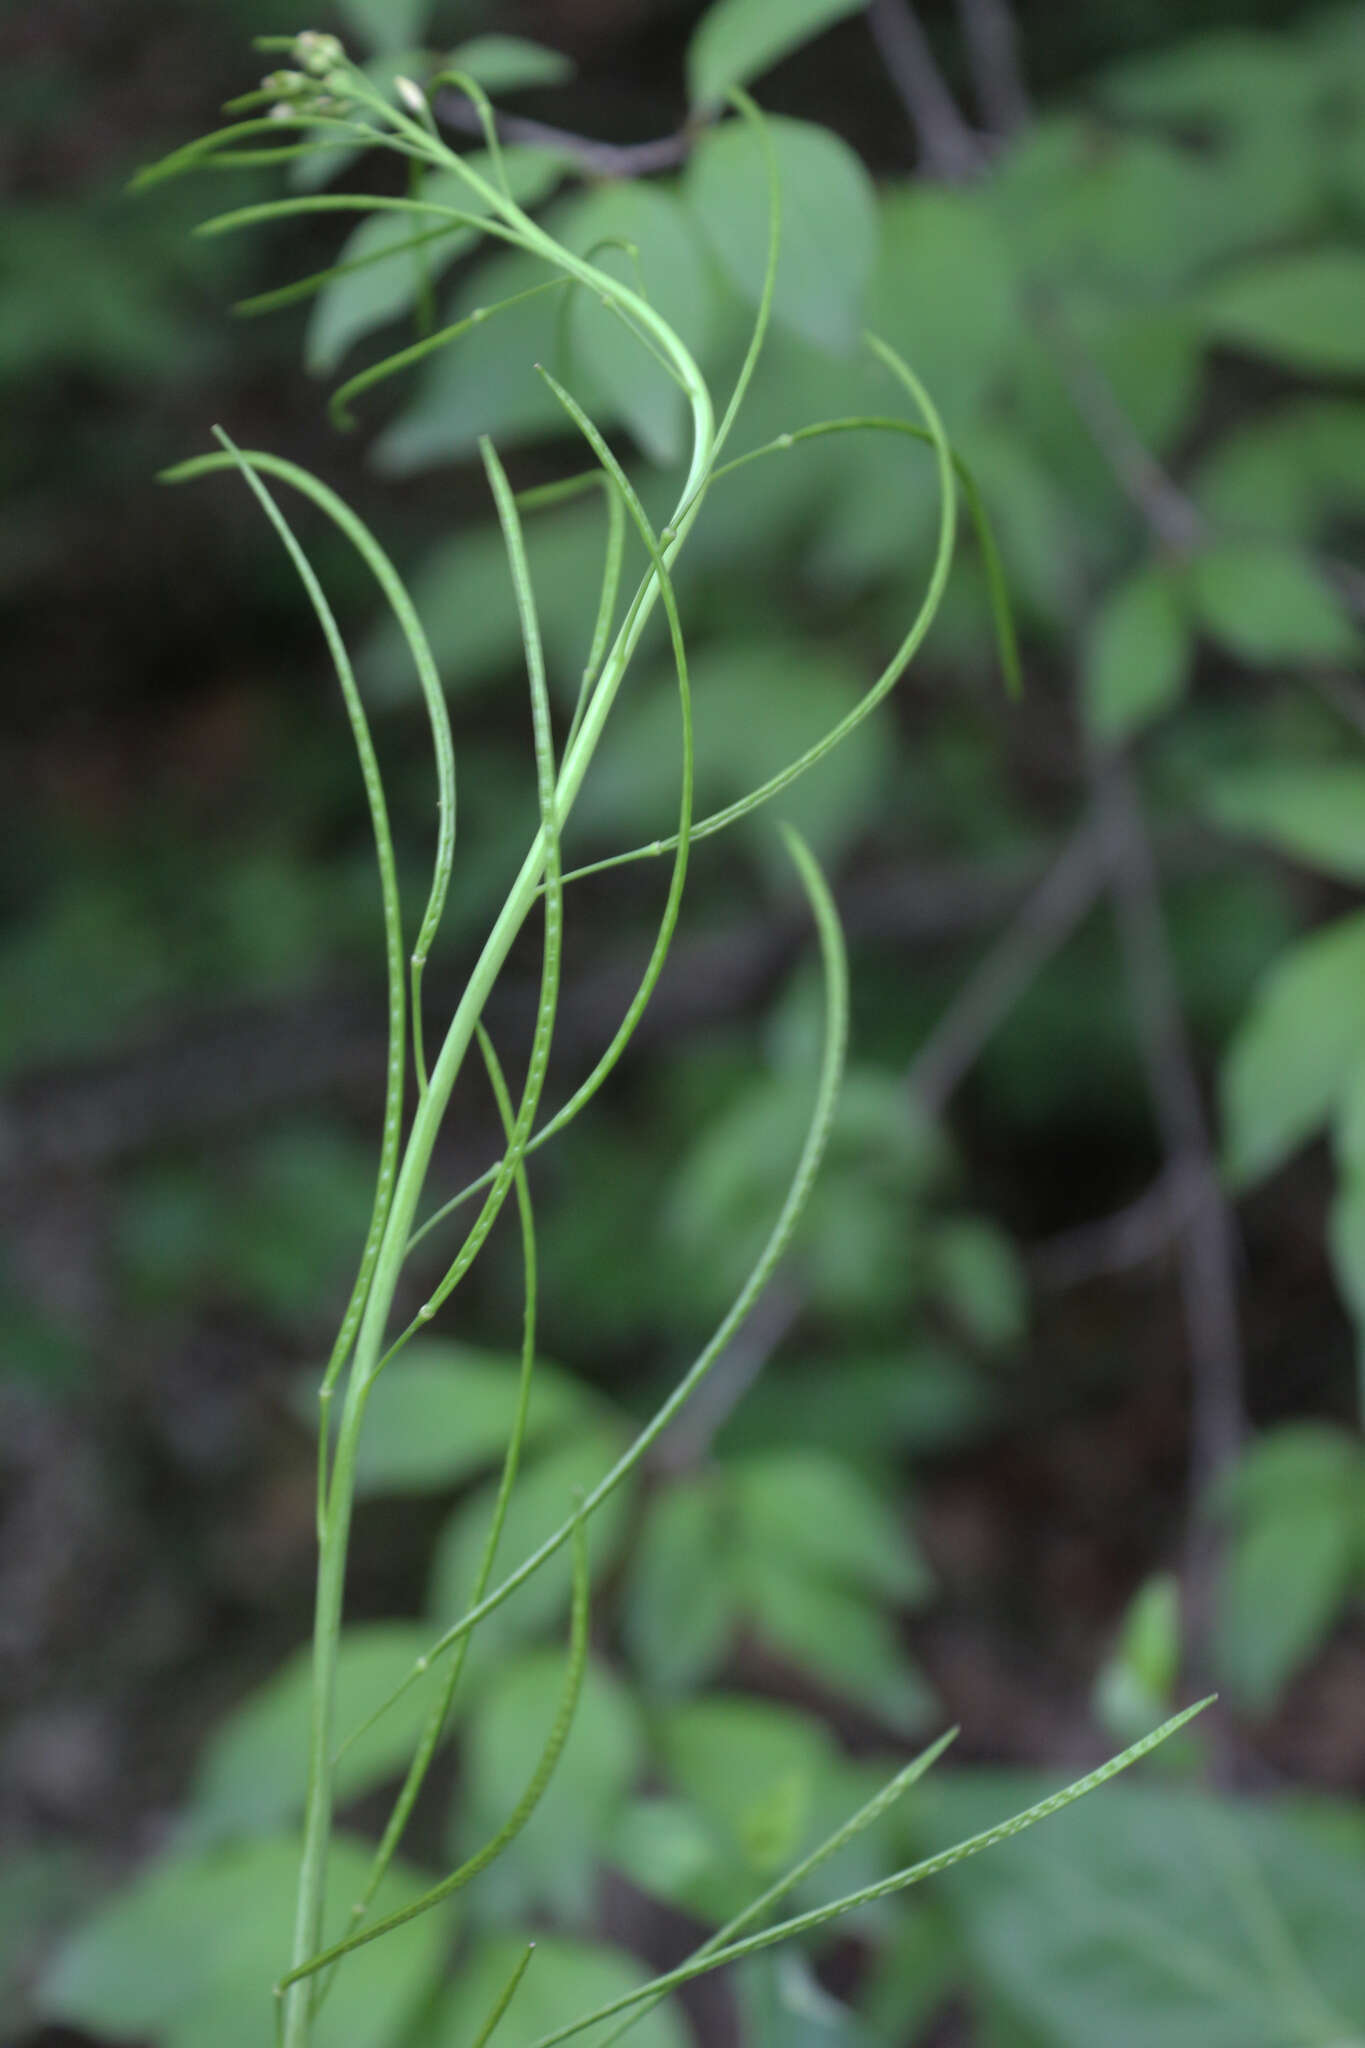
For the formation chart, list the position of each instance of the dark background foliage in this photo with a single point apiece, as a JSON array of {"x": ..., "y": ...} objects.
[{"x": 1024, "y": 1326}]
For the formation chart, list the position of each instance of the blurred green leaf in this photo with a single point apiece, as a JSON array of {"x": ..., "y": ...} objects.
[
  {"x": 663, "y": 265},
  {"x": 828, "y": 1522},
  {"x": 1135, "y": 1687},
  {"x": 564, "y": 1978},
  {"x": 829, "y": 222},
  {"x": 387, "y": 24},
  {"x": 1265, "y": 604},
  {"x": 353, "y": 305},
  {"x": 1286, "y": 474},
  {"x": 1123, "y": 213},
  {"x": 443, "y": 1411},
  {"x": 467, "y": 604},
  {"x": 1305, "y": 310},
  {"x": 942, "y": 293},
  {"x": 749, "y": 1768},
  {"x": 546, "y": 1494},
  {"x": 920, "y": 1400},
  {"x": 551, "y": 1864},
  {"x": 43, "y": 1891},
  {"x": 1294, "y": 1051},
  {"x": 1147, "y": 1915},
  {"x": 485, "y": 382},
  {"x": 737, "y": 40},
  {"x": 756, "y": 705},
  {"x": 187, "y": 1953},
  {"x": 1293, "y": 1562},
  {"x": 851, "y": 1647},
  {"x": 1312, "y": 811},
  {"x": 975, "y": 1268},
  {"x": 854, "y": 1242},
  {"x": 681, "y": 1606},
  {"x": 784, "y": 2005},
  {"x": 252, "y": 1776},
  {"x": 912, "y": 1974},
  {"x": 1138, "y": 655},
  {"x": 503, "y": 63}
]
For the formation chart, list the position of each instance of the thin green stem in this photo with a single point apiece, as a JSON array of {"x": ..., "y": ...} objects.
[
  {"x": 835, "y": 964},
  {"x": 525, "y": 1806},
  {"x": 443, "y": 748},
  {"x": 439, "y": 1716},
  {"x": 880, "y": 1803},
  {"x": 505, "y": 1997},
  {"x": 888, "y": 1887}
]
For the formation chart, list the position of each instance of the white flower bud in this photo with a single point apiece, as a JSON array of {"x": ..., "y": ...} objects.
[
  {"x": 411, "y": 94},
  {"x": 318, "y": 53}
]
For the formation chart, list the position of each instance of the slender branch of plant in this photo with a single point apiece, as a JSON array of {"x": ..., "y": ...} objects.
[{"x": 321, "y": 102}]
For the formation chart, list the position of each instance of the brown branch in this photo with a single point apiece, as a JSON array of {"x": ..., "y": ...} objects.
[
  {"x": 598, "y": 159},
  {"x": 1173, "y": 518},
  {"x": 949, "y": 147},
  {"x": 1043, "y": 924},
  {"x": 1140, "y": 1231},
  {"x": 1206, "y": 1244},
  {"x": 993, "y": 45}
]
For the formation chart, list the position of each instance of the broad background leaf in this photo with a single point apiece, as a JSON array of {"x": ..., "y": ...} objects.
[{"x": 737, "y": 40}]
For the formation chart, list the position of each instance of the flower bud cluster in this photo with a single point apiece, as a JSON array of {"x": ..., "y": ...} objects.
[
  {"x": 318, "y": 54},
  {"x": 322, "y": 60}
]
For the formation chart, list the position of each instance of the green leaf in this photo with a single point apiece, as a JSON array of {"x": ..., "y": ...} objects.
[
  {"x": 784, "y": 2005},
  {"x": 1153, "y": 1916},
  {"x": 826, "y": 1521},
  {"x": 913, "y": 1974},
  {"x": 1289, "y": 1573},
  {"x": 680, "y": 1608},
  {"x": 663, "y": 265},
  {"x": 485, "y": 382},
  {"x": 852, "y": 1242},
  {"x": 544, "y": 1497},
  {"x": 551, "y": 1864},
  {"x": 750, "y": 1769},
  {"x": 1296, "y": 1049},
  {"x": 975, "y": 1268},
  {"x": 353, "y": 305},
  {"x": 187, "y": 1953},
  {"x": 1136, "y": 1684},
  {"x": 922, "y": 1399},
  {"x": 1286, "y": 1470},
  {"x": 942, "y": 293},
  {"x": 829, "y": 223},
  {"x": 1346, "y": 1244},
  {"x": 564, "y": 1977},
  {"x": 253, "y": 1774},
  {"x": 1126, "y": 214},
  {"x": 1232, "y": 78},
  {"x": 663, "y": 1847},
  {"x": 510, "y": 63},
  {"x": 1265, "y": 604},
  {"x": 44, "y": 1890},
  {"x": 444, "y": 1411},
  {"x": 1312, "y": 811},
  {"x": 1138, "y": 655},
  {"x": 387, "y": 24},
  {"x": 1289, "y": 473},
  {"x": 845, "y": 1642},
  {"x": 466, "y": 602},
  {"x": 737, "y": 40},
  {"x": 756, "y": 704},
  {"x": 1303, "y": 310}
]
